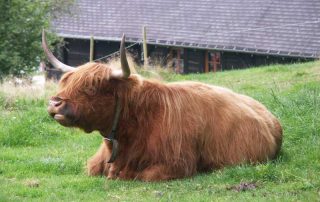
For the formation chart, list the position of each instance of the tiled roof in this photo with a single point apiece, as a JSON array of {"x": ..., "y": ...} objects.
[{"x": 274, "y": 27}]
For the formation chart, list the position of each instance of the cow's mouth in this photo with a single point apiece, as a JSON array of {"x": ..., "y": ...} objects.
[
  {"x": 60, "y": 111},
  {"x": 62, "y": 119}
]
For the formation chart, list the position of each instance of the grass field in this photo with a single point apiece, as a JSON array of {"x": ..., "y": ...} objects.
[{"x": 43, "y": 161}]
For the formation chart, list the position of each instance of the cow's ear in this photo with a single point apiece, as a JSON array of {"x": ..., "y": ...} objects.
[
  {"x": 125, "y": 73},
  {"x": 117, "y": 74}
]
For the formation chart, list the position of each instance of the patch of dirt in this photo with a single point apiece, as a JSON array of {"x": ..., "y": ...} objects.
[
  {"x": 158, "y": 194},
  {"x": 243, "y": 186},
  {"x": 32, "y": 183}
]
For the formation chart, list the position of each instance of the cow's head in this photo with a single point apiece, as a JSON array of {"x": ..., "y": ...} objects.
[{"x": 87, "y": 94}]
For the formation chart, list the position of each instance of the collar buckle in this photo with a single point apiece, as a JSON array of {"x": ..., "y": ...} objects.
[{"x": 112, "y": 136}]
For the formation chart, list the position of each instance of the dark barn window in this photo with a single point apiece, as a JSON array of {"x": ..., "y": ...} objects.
[
  {"x": 194, "y": 61},
  {"x": 103, "y": 48},
  {"x": 214, "y": 61},
  {"x": 158, "y": 55},
  {"x": 176, "y": 60},
  {"x": 77, "y": 51}
]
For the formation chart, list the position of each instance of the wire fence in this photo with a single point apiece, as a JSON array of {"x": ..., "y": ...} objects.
[{"x": 115, "y": 53}]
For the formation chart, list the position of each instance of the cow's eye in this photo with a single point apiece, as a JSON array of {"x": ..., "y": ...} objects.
[{"x": 90, "y": 91}]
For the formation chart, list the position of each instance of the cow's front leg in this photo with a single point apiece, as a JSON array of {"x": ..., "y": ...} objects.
[
  {"x": 113, "y": 172},
  {"x": 157, "y": 173},
  {"x": 97, "y": 165}
]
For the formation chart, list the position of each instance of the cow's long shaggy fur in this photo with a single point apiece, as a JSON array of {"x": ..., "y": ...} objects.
[{"x": 169, "y": 131}]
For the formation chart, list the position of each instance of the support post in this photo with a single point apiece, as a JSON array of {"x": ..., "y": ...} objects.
[
  {"x": 178, "y": 68},
  {"x": 145, "y": 51},
  {"x": 206, "y": 62},
  {"x": 91, "y": 48}
]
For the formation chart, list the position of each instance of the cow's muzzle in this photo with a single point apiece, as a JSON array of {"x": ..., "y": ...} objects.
[{"x": 58, "y": 109}]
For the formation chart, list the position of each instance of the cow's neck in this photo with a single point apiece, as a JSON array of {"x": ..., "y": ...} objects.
[{"x": 112, "y": 136}]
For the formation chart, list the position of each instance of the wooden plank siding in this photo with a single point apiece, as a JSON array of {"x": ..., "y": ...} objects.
[{"x": 181, "y": 60}]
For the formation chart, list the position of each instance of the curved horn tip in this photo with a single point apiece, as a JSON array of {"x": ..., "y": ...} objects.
[
  {"x": 123, "y": 42},
  {"x": 51, "y": 58},
  {"x": 123, "y": 58}
]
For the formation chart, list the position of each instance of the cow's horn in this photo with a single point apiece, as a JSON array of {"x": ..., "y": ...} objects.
[
  {"x": 52, "y": 59},
  {"x": 123, "y": 58},
  {"x": 125, "y": 69}
]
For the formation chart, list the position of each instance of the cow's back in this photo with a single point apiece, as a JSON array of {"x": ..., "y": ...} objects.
[{"x": 229, "y": 128}]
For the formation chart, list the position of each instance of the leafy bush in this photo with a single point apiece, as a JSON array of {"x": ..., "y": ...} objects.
[{"x": 20, "y": 32}]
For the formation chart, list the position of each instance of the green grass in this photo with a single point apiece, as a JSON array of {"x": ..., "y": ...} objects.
[{"x": 43, "y": 161}]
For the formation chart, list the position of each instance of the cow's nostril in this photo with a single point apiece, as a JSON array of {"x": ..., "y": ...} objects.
[{"x": 55, "y": 103}]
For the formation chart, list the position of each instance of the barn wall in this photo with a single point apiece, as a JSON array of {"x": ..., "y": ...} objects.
[
  {"x": 103, "y": 48},
  {"x": 76, "y": 52},
  {"x": 158, "y": 55},
  {"x": 194, "y": 61},
  {"x": 231, "y": 60}
]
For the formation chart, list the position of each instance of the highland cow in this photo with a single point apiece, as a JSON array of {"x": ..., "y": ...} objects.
[{"x": 159, "y": 131}]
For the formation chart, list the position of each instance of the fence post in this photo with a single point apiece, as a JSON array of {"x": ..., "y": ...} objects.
[
  {"x": 206, "y": 61},
  {"x": 145, "y": 51},
  {"x": 91, "y": 48}
]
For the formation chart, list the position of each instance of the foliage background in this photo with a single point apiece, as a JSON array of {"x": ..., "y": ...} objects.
[{"x": 20, "y": 32}]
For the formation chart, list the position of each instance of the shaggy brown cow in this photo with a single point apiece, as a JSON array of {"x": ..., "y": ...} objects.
[{"x": 161, "y": 131}]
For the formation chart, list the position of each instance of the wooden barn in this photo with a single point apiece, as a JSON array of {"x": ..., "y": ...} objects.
[{"x": 194, "y": 36}]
